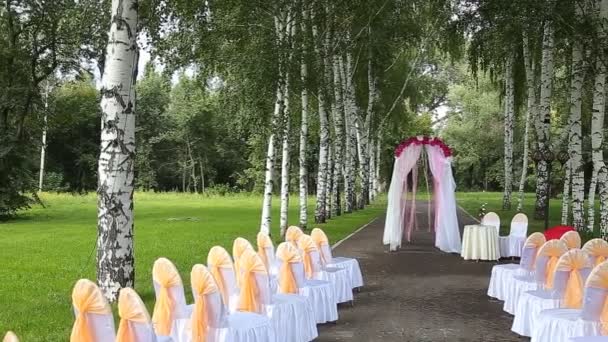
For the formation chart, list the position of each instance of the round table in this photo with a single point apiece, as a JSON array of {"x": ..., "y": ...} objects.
[{"x": 480, "y": 242}]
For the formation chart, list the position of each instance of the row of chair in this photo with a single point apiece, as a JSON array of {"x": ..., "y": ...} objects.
[
  {"x": 253, "y": 296},
  {"x": 558, "y": 291},
  {"x": 512, "y": 244}
]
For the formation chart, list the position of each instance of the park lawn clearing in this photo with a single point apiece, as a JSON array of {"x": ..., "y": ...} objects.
[{"x": 44, "y": 251}]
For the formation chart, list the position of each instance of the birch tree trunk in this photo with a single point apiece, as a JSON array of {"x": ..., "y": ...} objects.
[
  {"x": 323, "y": 167},
  {"x": 597, "y": 121},
  {"x": 304, "y": 132},
  {"x": 546, "y": 88},
  {"x": 350, "y": 141},
  {"x": 366, "y": 160},
  {"x": 338, "y": 150},
  {"x": 531, "y": 115},
  {"x": 372, "y": 170},
  {"x": 44, "y": 132},
  {"x": 566, "y": 194},
  {"x": 376, "y": 182},
  {"x": 575, "y": 163},
  {"x": 286, "y": 155},
  {"x": 329, "y": 181},
  {"x": 603, "y": 170},
  {"x": 115, "y": 258},
  {"x": 508, "y": 134}
]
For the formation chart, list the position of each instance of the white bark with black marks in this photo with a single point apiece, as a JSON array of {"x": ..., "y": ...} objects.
[
  {"x": 115, "y": 257},
  {"x": 338, "y": 146},
  {"x": 575, "y": 163},
  {"x": 566, "y": 194},
  {"x": 509, "y": 115},
  {"x": 546, "y": 89},
  {"x": 304, "y": 131},
  {"x": 350, "y": 147},
  {"x": 44, "y": 132}
]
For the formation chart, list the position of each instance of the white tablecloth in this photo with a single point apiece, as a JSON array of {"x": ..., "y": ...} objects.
[{"x": 480, "y": 242}]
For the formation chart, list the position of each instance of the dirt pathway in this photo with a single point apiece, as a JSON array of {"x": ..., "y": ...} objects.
[{"x": 418, "y": 293}]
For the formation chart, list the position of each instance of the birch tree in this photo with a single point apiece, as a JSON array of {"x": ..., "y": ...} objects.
[
  {"x": 509, "y": 113},
  {"x": 115, "y": 257},
  {"x": 531, "y": 115},
  {"x": 271, "y": 150},
  {"x": 575, "y": 164},
  {"x": 544, "y": 119},
  {"x": 323, "y": 166},
  {"x": 304, "y": 129},
  {"x": 597, "y": 122},
  {"x": 338, "y": 145},
  {"x": 350, "y": 139}
]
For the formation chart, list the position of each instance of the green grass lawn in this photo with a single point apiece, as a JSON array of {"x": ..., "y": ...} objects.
[
  {"x": 472, "y": 201},
  {"x": 45, "y": 250}
]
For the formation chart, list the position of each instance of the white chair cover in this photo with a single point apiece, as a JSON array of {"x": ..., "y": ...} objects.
[
  {"x": 181, "y": 313},
  {"x": 291, "y": 316},
  {"x": 338, "y": 277},
  {"x": 502, "y": 275},
  {"x": 238, "y": 326},
  {"x": 559, "y": 325},
  {"x": 350, "y": 264},
  {"x": 319, "y": 294},
  {"x": 229, "y": 278},
  {"x": 522, "y": 281},
  {"x": 102, "y": 326},
  {"x": 512, "y": 245},
  {"x": 590, "y": 339},
  {"x": 491, "y": 219}
]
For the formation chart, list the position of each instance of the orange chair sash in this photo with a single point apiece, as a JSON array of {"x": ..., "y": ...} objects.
[
  {"x": 292, "y": 234},
  {"x": 264, "y": 242},
  {"x": 550, "y": 271},
  {"x": 130, "y": 309},
  {"x": 217, "y": 259},
  {"x": 597, "y": 248},
  {"x": 288, "y": 255},
  {"x": 10, "y": 337},
  {"x": 573, "y": 262},
  {"x": 238, "y": 247},
  {"x": 166, "y": 276},
  {"x": 572, "y": 239},
  {"x": 251, "y": 263},
  {"x": 202, "y": 285},
  {"x": 599, "y": 279},
  {"x": 320, "y": 239},
  {"x": 87, "y": 298},
  {"x": 535, "y": 240},
  {"x": 307, "y": 245}
]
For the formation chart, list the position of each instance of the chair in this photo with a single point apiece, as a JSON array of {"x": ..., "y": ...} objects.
[
  {"x": 338, "y": 277},
  {"x": 293, "y": 281},
  {"x": 238, "y": 247},
  {"x": 291, "y": 315},
  {"x": 94, "y": 321},
  {"x": 559, "y": 325},
  {"x": 135, "y": 323},
  {"x": 491, "y": 219},
  {"x": 597, "y": 249},
  {"x": 350, "y": 264},
  {"x": 209, "y": 321},
  {"x": 572, "y": 239},
  {"x": 221, "y": 267},
  {"x": 293, "y": 234},
  {"x": 512, "y": 245},
  {"x": 10, "y": 337},
  {"x": 570, "y": 274},
  {"x": 266, "y": 252},
  {"x": 171, "y": 313},
  {"x": 544, "y": 268},
  {"x": 502, "y": 275},
  {"x": 589, "y": 339}
]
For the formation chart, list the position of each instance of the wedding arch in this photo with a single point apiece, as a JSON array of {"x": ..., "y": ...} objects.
[{"x": 401, "y": 212}]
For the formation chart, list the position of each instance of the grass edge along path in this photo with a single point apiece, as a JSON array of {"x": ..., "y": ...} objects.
[{"x": 44, "y": 251}]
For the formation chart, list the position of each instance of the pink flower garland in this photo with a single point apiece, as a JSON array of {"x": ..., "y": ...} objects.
[{"x": 447, "y": 152}]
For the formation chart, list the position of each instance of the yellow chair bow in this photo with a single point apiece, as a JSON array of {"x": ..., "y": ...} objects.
[
  {"x": 598, "y": 249},
  {"x": 292, "y": 234},
  {"x": 572, "y": 239},
  {"x": 552, "y": 249},
  {"x": 202, "y": 285},
  {"x": 251, "y": 264},
  {"x": 598, "y": 279},
  {"x": 307, "y": 245},
  {"x": 130, "y": 309},
  {"x": 535, "y": 240},
  {"x": 217, "y": 259},
  {"x": 288, "y": 254},
  {"x": 573, "y": 262},
  {"x": 238, "y": 247},
  {"x": 10, "y": 337},
  {"x": 320, "y": 239},
  {"x": 165, "y": 275},
  {"x": 264, "y": 242},
  {"x": 87, "y": 298}
]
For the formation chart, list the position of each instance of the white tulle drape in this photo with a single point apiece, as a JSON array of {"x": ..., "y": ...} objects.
[
  {"x": 447, "y": 234},
  {"x": 393, "y": 229}
]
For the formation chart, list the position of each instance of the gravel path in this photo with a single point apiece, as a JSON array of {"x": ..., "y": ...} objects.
[{"x": 418, "y": 293}]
